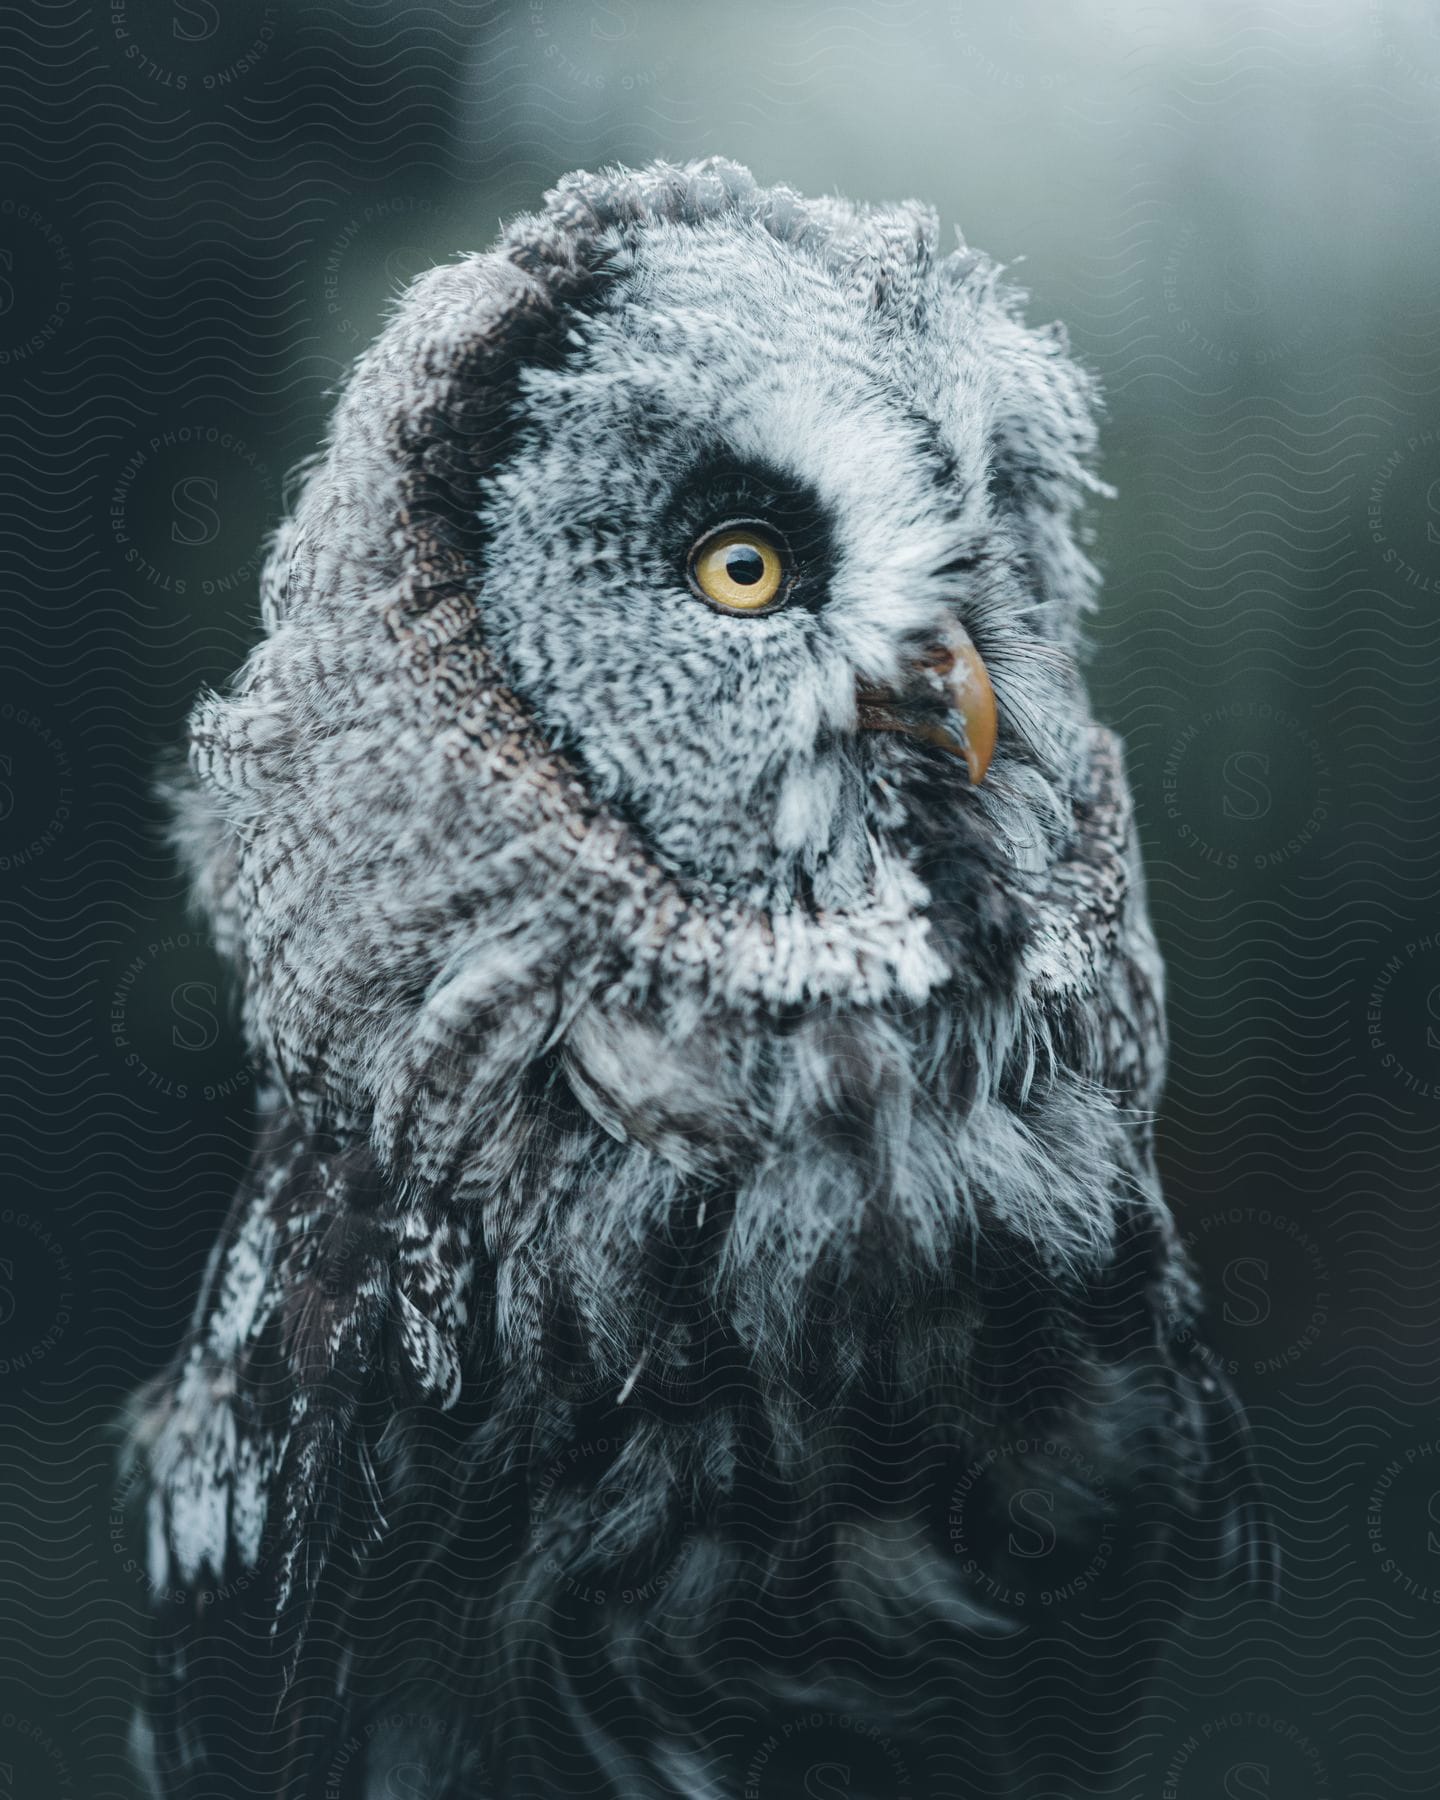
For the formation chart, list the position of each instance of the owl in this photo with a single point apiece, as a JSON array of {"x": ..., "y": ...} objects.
[{"x": 701, "y": 1320}]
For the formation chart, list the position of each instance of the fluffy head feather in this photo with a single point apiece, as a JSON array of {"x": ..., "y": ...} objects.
[{"x": 500, "y": 786}]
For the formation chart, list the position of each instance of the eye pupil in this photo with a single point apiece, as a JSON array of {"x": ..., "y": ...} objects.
[{"x": 745, "y": 564}]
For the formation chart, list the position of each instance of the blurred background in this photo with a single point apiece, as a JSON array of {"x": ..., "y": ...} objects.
[{"x": 205, "y": 211}]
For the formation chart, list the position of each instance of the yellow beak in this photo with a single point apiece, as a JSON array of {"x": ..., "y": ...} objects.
[{"x": 949, "y": 703}]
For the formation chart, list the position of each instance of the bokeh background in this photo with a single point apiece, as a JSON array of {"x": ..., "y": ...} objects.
[{"x": 204, "y": 212}]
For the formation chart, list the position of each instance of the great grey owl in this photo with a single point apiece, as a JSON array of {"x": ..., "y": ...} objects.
[{"x": 701, "y": 1321}]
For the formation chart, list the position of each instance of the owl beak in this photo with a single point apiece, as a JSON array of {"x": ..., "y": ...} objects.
[{"x": 948, "y": 702}]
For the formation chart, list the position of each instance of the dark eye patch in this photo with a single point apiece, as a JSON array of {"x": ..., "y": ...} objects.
[{"x": 721, "y": 489}]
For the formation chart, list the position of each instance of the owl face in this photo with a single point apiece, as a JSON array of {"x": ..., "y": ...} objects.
[{"x": 761, "y": 564}]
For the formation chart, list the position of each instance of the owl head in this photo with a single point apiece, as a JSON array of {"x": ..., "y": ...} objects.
[{"x": 683, "y": 614}]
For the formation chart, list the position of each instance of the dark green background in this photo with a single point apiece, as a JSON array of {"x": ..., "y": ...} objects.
[{"x": 203, "y": 214}]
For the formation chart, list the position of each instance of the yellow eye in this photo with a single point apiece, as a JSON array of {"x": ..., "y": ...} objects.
[{"x": 741, "y": 568}]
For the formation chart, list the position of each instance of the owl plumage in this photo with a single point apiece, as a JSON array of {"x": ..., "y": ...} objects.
[{"x": 696, "y": 1130}]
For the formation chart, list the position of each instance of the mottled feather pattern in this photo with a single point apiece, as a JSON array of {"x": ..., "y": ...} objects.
[
  {"x": 333, "y": 1286},
  {"x": 697, "y": 1133}
]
